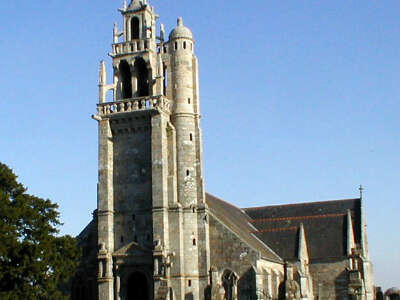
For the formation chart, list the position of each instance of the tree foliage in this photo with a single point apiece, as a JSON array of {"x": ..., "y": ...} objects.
[{"x": 34, "y": 260}]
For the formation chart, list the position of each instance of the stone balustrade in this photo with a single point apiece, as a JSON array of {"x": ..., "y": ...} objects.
[
  {"x": 134, "y": 104},
  {"x": 131, "y": 46}
]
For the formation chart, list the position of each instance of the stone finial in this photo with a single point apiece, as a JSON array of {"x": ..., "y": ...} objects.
[
  {"x": 115, "y": 33},
  {"x": 125, "y": 5},
  {"x": 102, "y": 73},
  {"x": 361, "y": 189},
  {"x": 162, "y": 32},
  {"x": 180, "y": 21}
]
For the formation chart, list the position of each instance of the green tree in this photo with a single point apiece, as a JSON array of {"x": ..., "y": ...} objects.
[{"x": 34, "y": 260}]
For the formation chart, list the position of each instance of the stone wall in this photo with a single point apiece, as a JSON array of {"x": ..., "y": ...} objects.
[
  {"x": 330, "y": 280},
  {"x": 132, "y": 180}
]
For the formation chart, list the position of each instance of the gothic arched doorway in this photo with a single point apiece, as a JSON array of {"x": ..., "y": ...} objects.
[{"x": 138, "y": 287}]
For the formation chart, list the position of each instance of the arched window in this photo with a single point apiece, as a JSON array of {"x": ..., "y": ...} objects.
[
  {"x": 137, "y": 287},
  {"x": 134, "y": 28},
  {"x": 125, "y": 77},
  {"x": 229, "y": 281},
  {"x": 142, "y": 76}
]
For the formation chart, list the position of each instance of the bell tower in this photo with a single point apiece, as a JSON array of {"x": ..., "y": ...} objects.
[{"x": 152, "y": 218}]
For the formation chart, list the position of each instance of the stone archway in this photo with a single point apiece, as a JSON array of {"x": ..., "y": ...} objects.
[
  {"x": 229, "y": 282},
  {"x": 137, "y": 287}
]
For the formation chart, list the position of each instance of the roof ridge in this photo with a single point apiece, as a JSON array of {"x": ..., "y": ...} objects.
[
  {"x": 254, "y": 220},
  {"x": 298, "y": 204}
]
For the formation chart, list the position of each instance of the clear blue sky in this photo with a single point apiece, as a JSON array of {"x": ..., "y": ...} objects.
[{"x": 300, "y": 102}]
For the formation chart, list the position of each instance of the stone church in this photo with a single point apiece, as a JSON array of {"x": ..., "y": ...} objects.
[{"x": 156, "y": 234}]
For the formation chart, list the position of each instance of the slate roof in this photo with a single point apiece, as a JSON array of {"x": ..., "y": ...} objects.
[
  {"x": 240, "y": 223},
  {"x": 325, "y": 225}
]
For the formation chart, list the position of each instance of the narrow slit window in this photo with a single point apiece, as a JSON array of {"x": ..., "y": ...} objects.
[
  {"x": 194, "y": 242},
  {"x": 165, "y": 81},
  {"x": 184, "y": 45},
  {"x": 191, "y": 137},
  {"x": 188, "y": 100},
  {"x": 122, "y": 238},
  {"x": 187, "y": 173},
  {"x": 176, "y": 45},
  {"x": 133, "y": 217},
  {"x": 189, "y": 283}
]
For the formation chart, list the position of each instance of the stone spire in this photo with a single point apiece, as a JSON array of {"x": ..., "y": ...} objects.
[
  {"x": 350, "y": 233},
  {"x": 303, "y": 250}
]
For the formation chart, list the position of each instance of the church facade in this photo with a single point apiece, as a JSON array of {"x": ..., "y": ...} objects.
[{"x": 156, "y": 233}]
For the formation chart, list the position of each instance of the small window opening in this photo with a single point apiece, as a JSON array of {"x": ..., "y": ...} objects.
[
  {"x": 133, "y": 217},
  {"x": 122, "y": 238},
  {"x": 191, "y": 137},
  {"x": 189, "y": 283},
  {"x": 184, "y": 45},
  {"x": 194, "y": 242},
  {"x": 176, "y": 45},
  {"x": 188, "y": 100},
  {"x": 187, "y": 173}
]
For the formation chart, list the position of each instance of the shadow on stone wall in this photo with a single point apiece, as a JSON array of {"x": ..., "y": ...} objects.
[
  {"x": 247, "y": 286},
  {"x": 207, "y": 293},
  {"x": 341, "y": 286},
  {"x": 189, "y": 296}
]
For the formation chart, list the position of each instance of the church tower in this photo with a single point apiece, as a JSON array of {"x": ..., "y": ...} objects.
[{"x": 152, "y": 218}]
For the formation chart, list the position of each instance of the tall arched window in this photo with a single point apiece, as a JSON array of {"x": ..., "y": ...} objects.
[
  {"x": 125, "y": 77},
  {"x": 142, "y": 75},
  {"x": 134, "y": 28}
]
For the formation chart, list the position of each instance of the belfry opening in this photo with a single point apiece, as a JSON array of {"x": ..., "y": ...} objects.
[
  {"x": 126, "y": 79},
  {"x": 142, "y": 77},
  {"x": 134, "y": 28}
]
